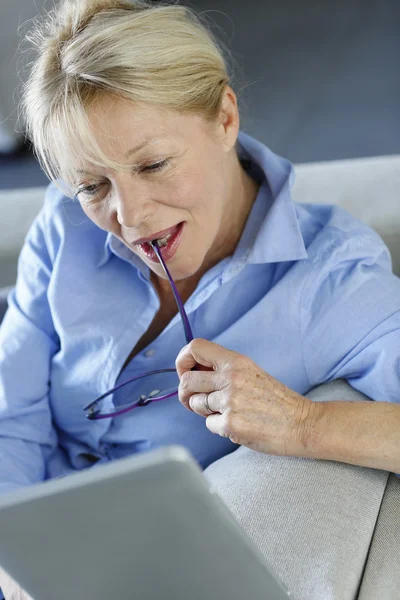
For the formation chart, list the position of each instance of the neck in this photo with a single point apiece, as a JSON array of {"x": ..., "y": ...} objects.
[
  {"x": 240, "y": 199},
  {"x": 242, "y": 194}
]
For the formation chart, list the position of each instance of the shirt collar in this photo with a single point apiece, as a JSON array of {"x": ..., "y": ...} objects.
[
  {"x": 105, "y": 251},
  {"x": 272, "y": 232}
]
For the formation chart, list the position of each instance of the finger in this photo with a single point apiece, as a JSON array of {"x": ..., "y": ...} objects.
[
  {"x": 198, "y": 382},
  {"x": 217, "y": 424},
  {"x": 203, "y": 404},
  {"x": 185, "y": 361},
  {"x": 202, "y": 352}
]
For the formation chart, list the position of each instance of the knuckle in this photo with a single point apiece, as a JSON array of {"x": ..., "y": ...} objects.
[
  {"x": 185, "y": 380},
  {"x": 193, "y": 344},
  {"x": 236, "y": 377},
  {"x": 228, "y": 424},
  {"x": 230, "y": 403},
  {"x": 234, "y": 404}
]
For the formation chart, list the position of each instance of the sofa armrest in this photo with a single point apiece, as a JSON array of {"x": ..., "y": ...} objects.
[
  {"x": 382, "y": 573},
  {"x": 312, "y": 520}
]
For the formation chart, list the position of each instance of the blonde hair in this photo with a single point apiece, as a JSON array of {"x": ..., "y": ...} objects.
[{"x": 151, "y": 54}]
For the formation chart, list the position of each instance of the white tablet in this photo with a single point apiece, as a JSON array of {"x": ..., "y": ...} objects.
[{"x": 148, "y": 527}]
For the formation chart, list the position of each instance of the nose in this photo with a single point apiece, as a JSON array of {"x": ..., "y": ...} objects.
[{"x": 133, "y": 204}]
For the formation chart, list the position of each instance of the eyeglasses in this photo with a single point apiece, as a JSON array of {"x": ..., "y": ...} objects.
[{"x": 93, "y": 410}]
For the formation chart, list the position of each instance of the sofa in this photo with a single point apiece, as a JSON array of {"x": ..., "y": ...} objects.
[{"x": 329, "y": 530}]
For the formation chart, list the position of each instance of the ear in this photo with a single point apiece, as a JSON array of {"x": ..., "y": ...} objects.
[{"x": 228, "y": 120}]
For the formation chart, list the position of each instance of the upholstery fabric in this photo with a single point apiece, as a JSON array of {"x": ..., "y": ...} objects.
[
  {"x": 10, "y": 589},
  {"x": 312, "y": 520},
  {"x": 382, "y": 573}
]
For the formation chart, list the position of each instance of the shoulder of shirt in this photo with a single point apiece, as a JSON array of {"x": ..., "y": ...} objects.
[{"x": 333, "y": 237}]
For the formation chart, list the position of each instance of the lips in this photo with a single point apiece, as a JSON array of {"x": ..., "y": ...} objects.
[
  {"x": 158, "y": 235},
  {"x": 167, "y": 250}
]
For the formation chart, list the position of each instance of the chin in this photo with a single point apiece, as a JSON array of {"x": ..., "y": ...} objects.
[{"x": 182, "y": 272}]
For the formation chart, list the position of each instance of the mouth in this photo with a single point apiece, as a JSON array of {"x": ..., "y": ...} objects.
[
  {"x": 161, "y": 236},
  {"x": 168, "y": 241}
]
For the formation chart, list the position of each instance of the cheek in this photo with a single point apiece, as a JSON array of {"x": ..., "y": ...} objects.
[
  {"x": 194, "y": 191},
  {"x": 185, "y": 191},
  {"x": 100, "y": 216}
]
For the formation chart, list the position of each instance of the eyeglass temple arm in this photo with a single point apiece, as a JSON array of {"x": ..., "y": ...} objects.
[{"x": 185, "y": 320}]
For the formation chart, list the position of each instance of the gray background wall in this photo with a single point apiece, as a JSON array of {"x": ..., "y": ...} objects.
[{"x": 325, "y": 74}]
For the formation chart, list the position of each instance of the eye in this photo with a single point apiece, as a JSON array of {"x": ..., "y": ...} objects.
[
  {"x": 156, "y": 167},
  {"x": 90, "y": 190}
]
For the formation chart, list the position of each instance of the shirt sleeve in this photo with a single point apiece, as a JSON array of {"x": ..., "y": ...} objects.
[
  {"x": 350, "y": 318},
  {"x": 27, "y": 343}
]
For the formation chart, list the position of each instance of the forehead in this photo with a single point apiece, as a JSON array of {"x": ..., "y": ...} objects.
[
  {"x": 119, "y": 122},
  {"x": 122, "y": 130}
]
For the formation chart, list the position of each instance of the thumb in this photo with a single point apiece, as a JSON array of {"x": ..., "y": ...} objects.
[{"x": 208, "y": 356}]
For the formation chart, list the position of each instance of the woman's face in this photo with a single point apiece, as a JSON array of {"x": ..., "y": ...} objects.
[{"x": 181, "y": 175}]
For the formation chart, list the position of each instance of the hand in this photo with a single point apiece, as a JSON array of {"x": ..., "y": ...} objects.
[{"x": 241, "y": 401}]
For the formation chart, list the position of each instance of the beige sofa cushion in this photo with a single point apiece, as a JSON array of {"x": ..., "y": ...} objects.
[
  {"x": 382, "y": 573},
  {"x": 312, "y": 520}
]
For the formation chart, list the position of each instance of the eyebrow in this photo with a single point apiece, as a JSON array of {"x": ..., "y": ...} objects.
[{"x": 130, "y": 152}]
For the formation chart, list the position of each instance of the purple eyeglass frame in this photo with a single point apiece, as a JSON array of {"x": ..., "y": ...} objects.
[{"x": 92, "y": 410}]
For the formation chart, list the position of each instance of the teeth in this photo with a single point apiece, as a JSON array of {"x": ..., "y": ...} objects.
[{"x": 164, "y": 241}]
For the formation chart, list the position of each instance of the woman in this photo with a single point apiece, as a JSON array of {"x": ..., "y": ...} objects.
[{"x": 131, "y": 114}]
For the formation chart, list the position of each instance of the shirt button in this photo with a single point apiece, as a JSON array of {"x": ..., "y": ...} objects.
[{"x": 150, "y": 352}]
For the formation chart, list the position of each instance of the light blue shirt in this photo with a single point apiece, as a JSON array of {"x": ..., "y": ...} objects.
[{"x": 308, "y": 295}]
